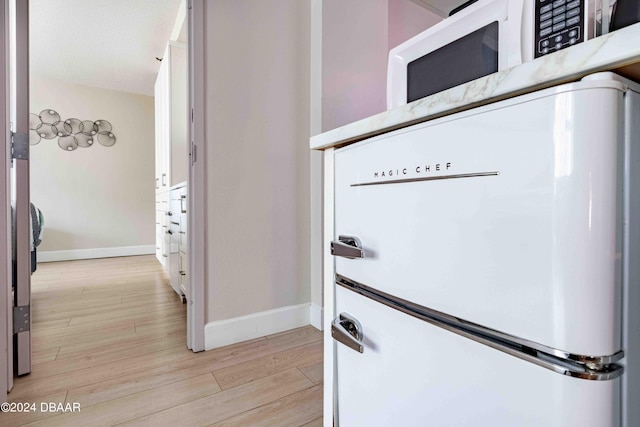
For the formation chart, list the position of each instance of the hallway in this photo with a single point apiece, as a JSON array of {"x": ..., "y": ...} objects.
[{"x": 110, "y": 335}]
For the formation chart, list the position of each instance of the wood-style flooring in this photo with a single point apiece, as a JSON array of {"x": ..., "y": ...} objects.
[{"x": 110, "y": 334}]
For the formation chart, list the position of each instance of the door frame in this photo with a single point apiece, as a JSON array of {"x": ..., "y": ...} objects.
[
  {"x": 6, "y": 303},
  {"x": 20, "y": 185},
  {"x": 197, "y": 183}
]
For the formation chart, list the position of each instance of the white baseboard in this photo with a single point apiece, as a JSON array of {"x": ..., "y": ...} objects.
[
  {"x": 243, "y": 328},
  {"x": 315, "y": 317},
  {"x": 75, "y": 254}
]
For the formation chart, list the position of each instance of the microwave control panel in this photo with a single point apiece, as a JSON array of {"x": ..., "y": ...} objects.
[{"x": 559, "y": 24}]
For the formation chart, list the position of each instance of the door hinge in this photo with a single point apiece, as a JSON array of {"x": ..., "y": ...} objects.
[
  {"x": 21, "y": 318},
  {"x": 19, "y": 145},
  {"x": 193, "y": 153}
]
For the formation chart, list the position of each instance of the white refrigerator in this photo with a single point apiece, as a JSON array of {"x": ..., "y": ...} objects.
[{"x": 488, "y": 265}]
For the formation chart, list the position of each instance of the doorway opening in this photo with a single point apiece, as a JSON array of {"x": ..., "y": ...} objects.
[{"x": 95, "y": 189}]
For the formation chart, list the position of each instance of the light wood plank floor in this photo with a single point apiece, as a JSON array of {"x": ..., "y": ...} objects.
[{"x": 109, "y": 334}]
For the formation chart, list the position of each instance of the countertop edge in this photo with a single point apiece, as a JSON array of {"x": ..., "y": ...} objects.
[{"x": 609, "y": 52}]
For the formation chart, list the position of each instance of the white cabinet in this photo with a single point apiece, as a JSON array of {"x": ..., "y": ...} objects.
[
  {"x": 171, "y": 118},
  {"x": 177, "y": 238},
  {"x": 182, "y": 240},
  {"x": 178, "y": 233},
  {"x": 171, "y": 235},
  {"x": 171, "y": 157},
  {"x": 162, "y": 125},
  {"x": 162, "y": 227},
  {"x": 178, "y": 157}
]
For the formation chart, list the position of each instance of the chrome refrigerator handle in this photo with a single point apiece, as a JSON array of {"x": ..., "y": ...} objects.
[
  {"x": 348, "y": 331},
  {"x": 347, "y": 247}
]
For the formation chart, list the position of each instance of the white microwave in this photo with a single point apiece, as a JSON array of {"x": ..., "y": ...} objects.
[{"x": 485, "y": 37}]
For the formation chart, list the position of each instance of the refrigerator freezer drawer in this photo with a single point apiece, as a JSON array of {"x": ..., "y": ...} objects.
[
  {"x": 411, "y": 373},
  {"x": 507, "y": 216}
]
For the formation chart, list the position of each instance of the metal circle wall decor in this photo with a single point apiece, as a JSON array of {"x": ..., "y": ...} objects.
[
  {"x": 46, "y": 131},
  {"x": 89, "y": 127},
  {"x": 62, "y": 128},
  {"x": 103, "y": 126},
  {"x": 34, "y": 121},
  {"x": 106, "y": 138},
  {"x": 49, "y": 117},
  {"x": 71, "y": 133},
  {"x": 34, "y": 137},
  {"x": 68, "y": 143},
  {"x": 76, "y": 125},
  {"x": 84, "y": 140}
]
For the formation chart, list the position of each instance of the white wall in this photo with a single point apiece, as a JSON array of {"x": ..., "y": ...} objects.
[
  {"x": 406, "y": 19},
  {"x": 316, "y": 165},
  {"x": 356, "y": 38},
  {"x": 95, "y": 197},
  {"x": 257, "y": 129},
  {"x": 354, "y": 60},
  {"x": 257, "y": 135}
]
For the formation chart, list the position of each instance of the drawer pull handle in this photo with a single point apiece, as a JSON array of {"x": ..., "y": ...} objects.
[
  {"x": 348, "y": 331},
  {"x": 347, "y": 247}
]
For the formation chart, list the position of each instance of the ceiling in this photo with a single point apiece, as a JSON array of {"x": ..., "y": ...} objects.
[{"x": 110, "y": 44}]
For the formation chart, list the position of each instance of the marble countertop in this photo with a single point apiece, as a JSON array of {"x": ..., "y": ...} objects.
[{"x": 618, "y": 51}]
